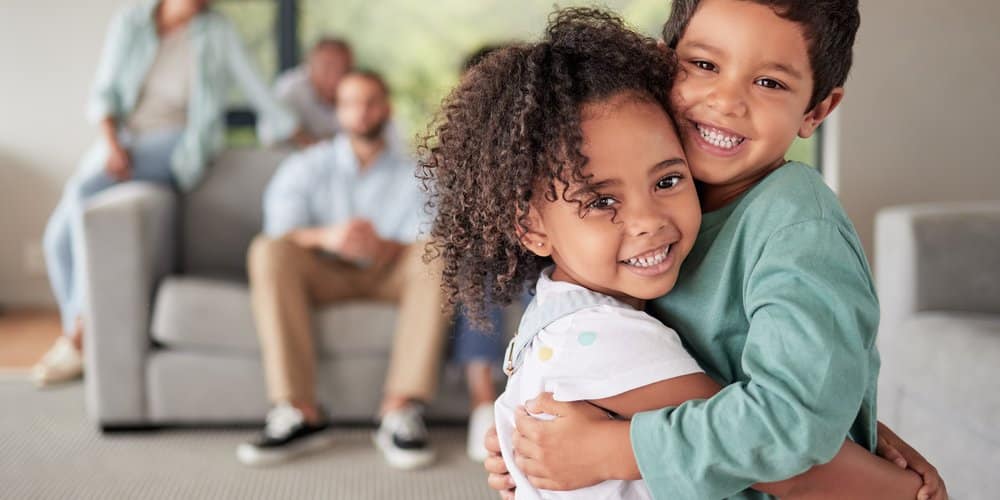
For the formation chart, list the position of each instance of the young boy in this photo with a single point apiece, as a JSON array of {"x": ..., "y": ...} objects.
[{"x": 775, "y": 299}]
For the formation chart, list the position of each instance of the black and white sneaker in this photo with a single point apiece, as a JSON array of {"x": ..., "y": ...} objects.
[
  {"x": 402, "y": 439},
  {"x": 285, "y": 436}
]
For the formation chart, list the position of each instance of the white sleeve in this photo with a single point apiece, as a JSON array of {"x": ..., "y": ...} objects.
[{"x": 605, "y": 351}]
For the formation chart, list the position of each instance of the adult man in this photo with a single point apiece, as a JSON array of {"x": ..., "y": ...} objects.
[
  {"x": 341, "y": 221},
  {"x": 310, "y": 90}
]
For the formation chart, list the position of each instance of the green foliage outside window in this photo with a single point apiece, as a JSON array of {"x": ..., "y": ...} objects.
[{"x": 419, "y": 46}]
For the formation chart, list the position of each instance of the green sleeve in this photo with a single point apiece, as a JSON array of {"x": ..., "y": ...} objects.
[{"x": 813, "y": 315}]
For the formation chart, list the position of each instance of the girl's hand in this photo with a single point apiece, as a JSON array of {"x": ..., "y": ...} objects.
[
  {"x": 892, "y": 448},
  {"x": 579, "y": 448},
  {"x": 499, "y": 477}
]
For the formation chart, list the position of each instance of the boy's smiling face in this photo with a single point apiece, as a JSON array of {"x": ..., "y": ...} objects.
[{"x": 741, "y": 95}]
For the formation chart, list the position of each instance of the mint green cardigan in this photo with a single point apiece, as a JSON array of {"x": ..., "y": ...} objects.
[{"x": 219, "y": 60}]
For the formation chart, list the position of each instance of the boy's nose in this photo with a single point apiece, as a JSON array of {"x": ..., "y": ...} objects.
[{"x": 728, "y": 99}]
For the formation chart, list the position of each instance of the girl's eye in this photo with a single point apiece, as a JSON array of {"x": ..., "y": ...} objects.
[
  {"x": 770, "y": 84},
  {"x": 601, "y": 203},
  {"x": 668, "y": 182},
  {"x": 705, "y": 65}
]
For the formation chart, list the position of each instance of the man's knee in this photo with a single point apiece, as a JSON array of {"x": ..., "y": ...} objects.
[
  {"x": 268, "y": 255},
  {"x": 419, "y": 265}
]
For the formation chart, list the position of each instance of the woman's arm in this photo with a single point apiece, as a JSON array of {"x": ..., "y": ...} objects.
[
  {"x": 274, "y": 122},
  {"x": 104, "y": 99}
]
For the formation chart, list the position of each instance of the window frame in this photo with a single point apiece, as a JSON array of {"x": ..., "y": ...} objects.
[{"x": 286, "y": 33}]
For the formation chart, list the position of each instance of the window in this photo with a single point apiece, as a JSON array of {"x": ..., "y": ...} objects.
[{"x": 418, "y": 46}]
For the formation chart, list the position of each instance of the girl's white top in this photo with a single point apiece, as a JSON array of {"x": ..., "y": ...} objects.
[{"x": 593, "y": 353}]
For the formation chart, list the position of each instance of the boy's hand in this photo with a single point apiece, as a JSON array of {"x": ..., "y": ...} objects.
[
  {"x": 580, "y": 447},
  {"x": 499, "y": 477},
  {"x": 894, "y": 449}
]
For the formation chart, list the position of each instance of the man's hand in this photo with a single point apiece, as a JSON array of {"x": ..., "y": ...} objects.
[
  {"x": 119, "y": 166},
  {"x": 894, "y": 449},
  {"x": 499, "y": 477},
  {"x": 354, "y": 240},
  {"x": 580, "y": 447}
]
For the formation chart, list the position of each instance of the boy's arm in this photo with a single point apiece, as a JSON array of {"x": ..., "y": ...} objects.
[
  {"x": 853, "y": 473},
  {"x": 813, "y": 314}
]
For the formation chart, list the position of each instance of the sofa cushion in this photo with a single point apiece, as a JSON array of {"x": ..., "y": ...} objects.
[
  {"x": 223, "y": 214},
  {"x": 950, "y": 360},
  {"x": 208, "y": 314}
]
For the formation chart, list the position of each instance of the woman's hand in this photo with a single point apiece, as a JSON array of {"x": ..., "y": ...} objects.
[
  {"x": 580, "y": 447},
  {"x": 119, "y": 166},
  {"x": 499, "y": 477}
]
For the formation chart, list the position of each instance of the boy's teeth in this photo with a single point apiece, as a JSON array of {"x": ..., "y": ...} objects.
[
  {"x": 719, "y": 139},
  {"x": 649, "y": 261}
]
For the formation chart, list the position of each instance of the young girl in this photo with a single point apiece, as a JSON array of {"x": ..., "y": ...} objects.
[{"x": 559, "y": 161}]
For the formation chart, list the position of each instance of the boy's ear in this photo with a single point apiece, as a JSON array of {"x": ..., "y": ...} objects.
[
  {"x": 531, "y": 234},
  {"x": 815, "y": 116}
]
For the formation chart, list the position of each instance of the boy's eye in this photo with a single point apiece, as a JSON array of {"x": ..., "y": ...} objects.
[
  {"x": 668, "y": 182},
  {"x": 601, "y": 203},
  {"x": 705, "y": 65},
  {"x": 770, "y": 84}
]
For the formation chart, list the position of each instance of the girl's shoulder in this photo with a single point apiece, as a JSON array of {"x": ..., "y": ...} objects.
[{"x": 604, "y": 350}]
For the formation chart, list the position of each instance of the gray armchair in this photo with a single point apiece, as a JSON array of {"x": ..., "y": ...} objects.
[
  {"x": 170, "y": 336},
  {"x": 938, "y": 276}
]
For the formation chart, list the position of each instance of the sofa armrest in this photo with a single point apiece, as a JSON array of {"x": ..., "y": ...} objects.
[
  {"x": 937, "y": 257},
  {"x": 128, "y": 238}
]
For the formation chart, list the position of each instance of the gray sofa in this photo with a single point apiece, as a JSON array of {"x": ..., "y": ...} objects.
[
  {"x": 170, "y": 336},
  {"x": 938, "y": 276}
]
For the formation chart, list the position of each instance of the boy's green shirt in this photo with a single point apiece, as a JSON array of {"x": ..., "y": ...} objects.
[{"x": 777, "y": 303}]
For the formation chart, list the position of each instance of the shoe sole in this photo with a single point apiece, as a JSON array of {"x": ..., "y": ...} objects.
[
  {"x": 402, "y": 459},
  {"x": 46, "y": 381},
  {"x": 252, "y": 456}
]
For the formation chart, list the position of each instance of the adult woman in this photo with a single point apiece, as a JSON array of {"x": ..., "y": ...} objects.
[{"x": 159, "y": 99}]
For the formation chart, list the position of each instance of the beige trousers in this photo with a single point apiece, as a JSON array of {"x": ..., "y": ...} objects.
[{"x": 288, "y": 281}]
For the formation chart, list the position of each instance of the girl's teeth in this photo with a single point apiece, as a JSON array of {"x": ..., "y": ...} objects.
[{"x": 649, "y": 261}]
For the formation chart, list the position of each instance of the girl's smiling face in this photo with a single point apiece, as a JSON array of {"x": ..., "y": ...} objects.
[{"x": 637, "y": 217}]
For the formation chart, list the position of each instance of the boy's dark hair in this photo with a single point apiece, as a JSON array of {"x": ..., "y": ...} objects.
[
  {"x": 511, "y": 129},
  {"x": 829, "y": 26}
]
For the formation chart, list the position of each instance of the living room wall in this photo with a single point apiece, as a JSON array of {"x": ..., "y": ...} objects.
[
  {"x": 49, "y": 49},
  {"x": 919, "y": 120}
]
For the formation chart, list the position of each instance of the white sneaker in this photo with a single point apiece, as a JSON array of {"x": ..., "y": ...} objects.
[
  {"x": 62, "y": 363},
  {"x": 402, "y": 439},
  {"x": 480, "y": 421}
]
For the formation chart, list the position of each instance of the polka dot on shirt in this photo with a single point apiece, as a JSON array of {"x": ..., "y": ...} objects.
[
  {"x": 586, "y": 338},
  {"x": 545, "y": 353}
]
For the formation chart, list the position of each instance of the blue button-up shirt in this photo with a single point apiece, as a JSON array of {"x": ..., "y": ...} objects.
[{"x": 325, "y": 185}]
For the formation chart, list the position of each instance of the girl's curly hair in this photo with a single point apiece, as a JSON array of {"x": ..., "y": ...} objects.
[{"x": 511, "y": 130}]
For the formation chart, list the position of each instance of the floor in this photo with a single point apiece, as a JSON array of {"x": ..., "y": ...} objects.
[
  {"x": 50, "y": 450},
  {"x": 24, "y": 336}
]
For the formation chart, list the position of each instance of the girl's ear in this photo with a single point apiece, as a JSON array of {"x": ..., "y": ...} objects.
[{"x": 531, "y": 233}]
